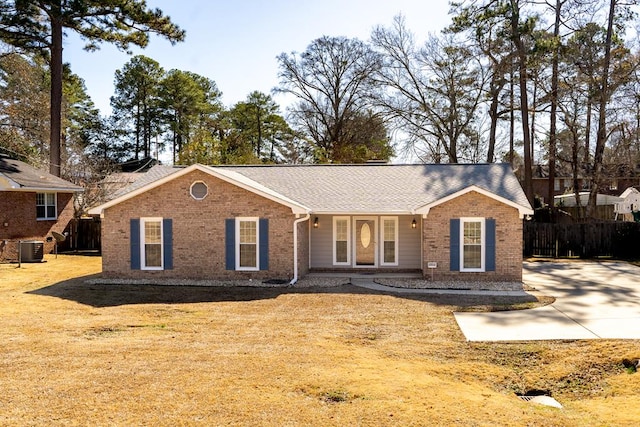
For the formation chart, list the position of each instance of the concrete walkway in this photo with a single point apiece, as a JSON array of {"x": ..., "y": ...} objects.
[{"x": 593, "y": 300}]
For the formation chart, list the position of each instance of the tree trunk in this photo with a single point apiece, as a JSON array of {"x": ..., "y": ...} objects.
[
  {"x": 512, "y": 119},
  {"x": 146, "y": 132},
  {"x": 524, "y": 103},
  {"x": 493, "y": 114},
  {"x": 587, "y": 135},
  {"x": 574, "y": 170},
  {"x": 56, "y": 94},
  {"x": 138, "y": 131},
  {"x": 601, "y": 137},
  {"x": 554, "y": 106},
  {"x": 533, "y": 121}
]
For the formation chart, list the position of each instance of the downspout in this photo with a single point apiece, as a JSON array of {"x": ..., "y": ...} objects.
[{"x": 295, "y": 247}]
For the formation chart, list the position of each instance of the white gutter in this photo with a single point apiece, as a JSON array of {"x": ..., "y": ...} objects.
[
  {"x": 295, "y": 247},
  {"x": 43, "y": 189}
]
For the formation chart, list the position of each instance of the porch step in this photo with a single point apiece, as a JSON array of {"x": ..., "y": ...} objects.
[{"x": 366, "y": 276}]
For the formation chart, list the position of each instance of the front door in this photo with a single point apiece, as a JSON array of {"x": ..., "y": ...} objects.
[{"x": 365, "y": 244}]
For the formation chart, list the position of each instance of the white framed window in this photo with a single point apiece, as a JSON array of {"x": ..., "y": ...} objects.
[
  {"x": 389, "y": 239},
  {"x": 472, "y": 244},
  {"x": 341, "y": 241},
  {"x": 247, "y": 243},
  {"x": 151, "y": 244},
  {"x": 199, "y": 190},
  {"x": 46, "y": 206}
]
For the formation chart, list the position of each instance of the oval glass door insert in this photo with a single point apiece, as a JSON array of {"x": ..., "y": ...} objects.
[{"x": 365, "y": 235}]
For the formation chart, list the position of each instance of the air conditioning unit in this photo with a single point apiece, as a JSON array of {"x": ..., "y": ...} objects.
[{"x": 31, "y": 250}]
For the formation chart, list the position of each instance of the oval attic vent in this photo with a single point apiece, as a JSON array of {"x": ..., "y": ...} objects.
[{"x": 199, "y": 190}]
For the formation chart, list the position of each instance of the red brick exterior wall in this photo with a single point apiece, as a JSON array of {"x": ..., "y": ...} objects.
[
  {"x": 18, "y": 212},
  {"x": 199, "y": 230},
  {"x": 436, "y": 237}
]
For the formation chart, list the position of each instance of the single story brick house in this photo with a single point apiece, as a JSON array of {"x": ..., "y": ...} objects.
[
  {"x": 33, "y": 204},
  {"x": 451, "y": 222}
]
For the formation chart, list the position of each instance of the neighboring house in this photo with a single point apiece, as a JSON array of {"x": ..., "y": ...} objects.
[
  {"x": 115, "y": 182},
  {"x": 457, "y": 222},
  {"x": 616, "y": 177},
  {"x": 33, "y": 203},
  {"x": 629, "y": 208},
  {"x": 604, "y": 205}
]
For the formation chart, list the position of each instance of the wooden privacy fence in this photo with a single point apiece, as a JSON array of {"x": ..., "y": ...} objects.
[
  {"x": 584, "y": 240},
  {"x": 82, "y": 235}
]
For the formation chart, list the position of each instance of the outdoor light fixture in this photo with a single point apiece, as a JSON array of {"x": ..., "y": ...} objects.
[
  {"x": 315, "y": 222},
  {"x": 413, "y": 223}
]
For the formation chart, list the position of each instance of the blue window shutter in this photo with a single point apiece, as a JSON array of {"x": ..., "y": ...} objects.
[
  {"x": 134, "y": 237},
  {"x": 167, "y": 242},
  {"x": 454, "y": 245},
  {"x": 490, "y": 244},
  {"x": 230, "y": 243},
  {"x": 264, "y": 243}
]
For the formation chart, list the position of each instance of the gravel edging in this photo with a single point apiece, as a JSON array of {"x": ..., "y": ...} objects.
[
  {"x": 472, "y": 286},
  {"x": 187, "y": 282},
  {"x": 303, "y": 283},
  {"x": 324, "y": 282}
]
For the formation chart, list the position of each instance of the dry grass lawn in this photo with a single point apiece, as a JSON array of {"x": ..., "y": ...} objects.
[{"x": 78, "y": 354}]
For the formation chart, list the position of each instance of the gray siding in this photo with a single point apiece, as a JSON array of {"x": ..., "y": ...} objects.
[
  {"x": 409, "y": 247},
  {"x": 321, "y": 242},
  {"x": 409, "y": 242}
]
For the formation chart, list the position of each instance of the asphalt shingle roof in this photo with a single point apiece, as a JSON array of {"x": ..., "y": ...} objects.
[
  {"x": 381, "y": 188},
  {"x": 145, "y": 178},
  {"x": 367, "y": 188},
  {"x": 21, "y": 176}
]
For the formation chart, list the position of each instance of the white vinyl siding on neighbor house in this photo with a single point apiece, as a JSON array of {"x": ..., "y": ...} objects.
[
  {"x": 247, "y": 244},
  {"x": 472, "y": 244},
  {"x": 151, "y": 244},
  {"x": 46, "y": 206}
]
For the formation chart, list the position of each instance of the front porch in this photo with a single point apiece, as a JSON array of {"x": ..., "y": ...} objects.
[{"x": 365, "y": 243}]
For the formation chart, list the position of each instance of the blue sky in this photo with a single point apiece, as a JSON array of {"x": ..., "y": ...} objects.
[{"x": 235, "y": 42}]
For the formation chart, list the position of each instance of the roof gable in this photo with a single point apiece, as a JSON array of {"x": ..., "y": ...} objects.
[
  {"x": 522, "y": 210},
  {"x": 147, "y": 183},
  {"x": 631, "y": 191},
  {"x": 19, "y": 176}
]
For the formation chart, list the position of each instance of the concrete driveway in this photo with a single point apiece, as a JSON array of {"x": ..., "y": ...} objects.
[{"x": 593, "y": 300}]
